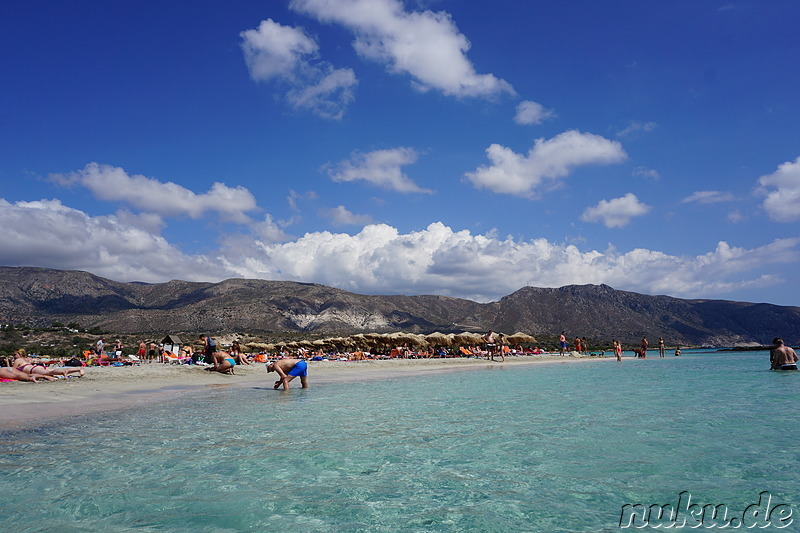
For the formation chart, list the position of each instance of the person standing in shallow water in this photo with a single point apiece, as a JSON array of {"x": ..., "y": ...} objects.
[
  {"x": 643, "y": 351},
  {"x": 661, "y": 347},
  {"x": 782, "y": 357},
  {"x": 562, "y": 341}
]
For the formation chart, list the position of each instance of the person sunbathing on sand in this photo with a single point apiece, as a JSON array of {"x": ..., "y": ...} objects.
[
  {"x": 288, "y": 369},
  {"x": 24, "y": 364},
  {"x": 238, "y": 356},
  {"x": 13, "y": 373}
]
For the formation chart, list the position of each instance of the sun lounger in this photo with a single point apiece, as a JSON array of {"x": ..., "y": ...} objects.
[{"x": 171, "y": 358}]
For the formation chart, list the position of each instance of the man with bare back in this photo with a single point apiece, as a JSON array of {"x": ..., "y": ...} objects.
[
  {"x": 782, "y": 357},
  {"x": 288, "y": 369}
]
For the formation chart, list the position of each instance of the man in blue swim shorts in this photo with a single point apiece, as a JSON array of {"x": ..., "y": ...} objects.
[{"x": 288, "y": 369}]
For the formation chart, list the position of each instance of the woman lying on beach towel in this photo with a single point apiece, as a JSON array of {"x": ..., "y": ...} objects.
[
  {"x": 12, "y": 374},
  {"x": 24, "y": 364}
]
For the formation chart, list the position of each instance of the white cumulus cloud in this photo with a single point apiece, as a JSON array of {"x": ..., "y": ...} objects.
[
  {"x": 168, "y": 199},
  {"x": 276, "y": 52},
  {"x": 548, "y": 161},
  {"x": 439, "y": 260},
  {"x": 379, "y": 167},
  {"x": 378, "y": 259},
  {"x": 425, "y": 45},
  {"x": 49, "y": 234},
  {"x": 616, "y": 213},
  {"x": 529, "y": 112},
  {"x": 782, "y": 191}
]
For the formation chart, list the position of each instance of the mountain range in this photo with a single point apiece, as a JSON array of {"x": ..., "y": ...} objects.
[{"x": 40, "y": 297}]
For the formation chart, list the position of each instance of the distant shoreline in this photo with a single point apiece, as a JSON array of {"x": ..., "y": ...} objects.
[
  {"x": 105, "y": 389},
  {"x": 746, "y": 349}
]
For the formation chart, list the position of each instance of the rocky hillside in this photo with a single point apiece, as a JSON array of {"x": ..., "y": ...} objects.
[{"x": 40, "y": 297}]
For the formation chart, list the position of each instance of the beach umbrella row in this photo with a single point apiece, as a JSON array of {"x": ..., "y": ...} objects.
[{"x": 385, "y": 341}]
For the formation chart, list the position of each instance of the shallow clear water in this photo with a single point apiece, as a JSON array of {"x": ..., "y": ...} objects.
[{"x": 557, "y": 447}]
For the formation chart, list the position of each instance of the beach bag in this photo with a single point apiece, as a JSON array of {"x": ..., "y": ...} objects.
[{"x": 73, "y": 362}]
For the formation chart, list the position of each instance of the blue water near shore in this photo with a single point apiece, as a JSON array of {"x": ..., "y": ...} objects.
[{"x": 556, "y": 447}]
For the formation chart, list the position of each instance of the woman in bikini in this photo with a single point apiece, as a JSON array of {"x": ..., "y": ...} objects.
[
  {"x": 223, "y": 363},
  {"x": 12, "y": 373},
  {"x": 238, "y": 356},
  {"x": 24, "y": 364}
]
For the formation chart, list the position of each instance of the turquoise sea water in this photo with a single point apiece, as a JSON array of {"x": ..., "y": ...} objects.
[{"x": 556, "y": 447}]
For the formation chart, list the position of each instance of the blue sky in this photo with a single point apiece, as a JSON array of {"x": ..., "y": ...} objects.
[{"x": 450, "y": 147}]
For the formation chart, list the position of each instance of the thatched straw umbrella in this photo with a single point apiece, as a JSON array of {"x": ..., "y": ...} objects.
[
  {"x": 467, "y": 338},
  {"x": 360, "y": 341},
  {"x": 439, "y": 339},
  {"x": 250, "y": 346},
  {"x": 381, "y": 342},
  {"x": 519, "y": 338},
  {"x": 410, "y": 339},
  {"x": 320, "y": 344},
  {"x": 341, "y": 343},
  {"x": 419, "y": 340}
]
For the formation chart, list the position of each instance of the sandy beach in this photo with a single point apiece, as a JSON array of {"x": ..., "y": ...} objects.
[{"x": 109, "y": 388}]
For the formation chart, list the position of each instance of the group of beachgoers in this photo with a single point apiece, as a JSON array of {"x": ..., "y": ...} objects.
[
  {"x": 225, "y": 362},
  {"x": 24, "y": 368},
  {"x": 616, "y": 347},
  {"x": 220, "y": 361}
]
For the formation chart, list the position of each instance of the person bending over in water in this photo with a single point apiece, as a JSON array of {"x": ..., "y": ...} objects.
[
  {"x": 24, "y": 364},
  {"x": 288, "y": 369},
  {"x": 782, "y": 357}
]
